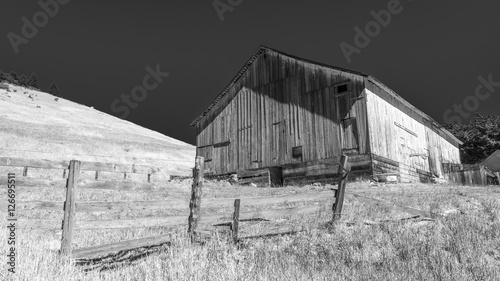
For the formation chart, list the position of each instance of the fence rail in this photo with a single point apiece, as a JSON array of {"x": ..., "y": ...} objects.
[
  {"x": 85, "y": 166},
  {"x": 94, "y": 170}
]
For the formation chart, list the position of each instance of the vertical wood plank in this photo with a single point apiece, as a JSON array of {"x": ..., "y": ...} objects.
[
  {"x": 339, "y": 194},
  {"x": 69, "y": 209},
  {"x": 195, "y": 202},
  {"x": 236, "y": 220}
]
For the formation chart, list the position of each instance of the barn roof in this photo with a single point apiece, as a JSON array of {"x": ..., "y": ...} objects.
[
  {"x": 263, "y": 49},
  {"x": 493, "y": 162}
]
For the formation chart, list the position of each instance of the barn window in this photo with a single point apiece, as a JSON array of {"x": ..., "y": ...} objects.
[
  {"x": 297, "y": 152},
  {"x": 342, "y": 88}
]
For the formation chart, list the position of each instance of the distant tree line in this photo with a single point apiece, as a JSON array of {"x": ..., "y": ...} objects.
[
  {"x": 22, "y": 80},
  {"x": 481, "y": 137}
]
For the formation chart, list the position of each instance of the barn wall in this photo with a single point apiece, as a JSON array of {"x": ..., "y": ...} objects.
[
  {"x": 440, "y": 151},
  {"x": 279, "y": 105},
  {"x": 399, "y": 137},
  {"x": 396, "y": 136}
]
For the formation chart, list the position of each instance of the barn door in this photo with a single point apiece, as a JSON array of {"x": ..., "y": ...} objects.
[
  {"x": 279, "y": 145},
  {"x": 435, "y": 161},
  {"x": 347, "y": 120},
  {"x": 350, "y": 135}
]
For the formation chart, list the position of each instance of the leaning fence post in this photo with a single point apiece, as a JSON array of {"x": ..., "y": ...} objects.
[
  {"x": 236, "y": 220},
  {"x": 339, "y": 193},
  {"x": 69, "y": 208},
  {"x": 194, "y": 204}
]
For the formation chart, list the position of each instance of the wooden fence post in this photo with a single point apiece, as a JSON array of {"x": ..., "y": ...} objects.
[
  {"x": 236, "y": 220},
  {"x": 69, "y": 209},
  {"x": 339, "y": 194},
  {"x": 194, "y": 204}
]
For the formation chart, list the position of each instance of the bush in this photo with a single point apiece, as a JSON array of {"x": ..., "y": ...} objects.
[{"x": 481, "y": 137}]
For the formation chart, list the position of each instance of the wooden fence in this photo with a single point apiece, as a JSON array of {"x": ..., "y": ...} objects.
[
  {"x": 466, "y": 174},
  {"x": 88, "y": 170},
  {"x": 240, "y": 215},
  {"x": 239, "y": 210}
]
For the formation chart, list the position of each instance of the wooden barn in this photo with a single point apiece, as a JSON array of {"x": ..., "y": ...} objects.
[{"x": 292, "y": 118}]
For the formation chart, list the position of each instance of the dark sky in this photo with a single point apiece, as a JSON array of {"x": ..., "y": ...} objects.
[{"x": 431, "y": 53}]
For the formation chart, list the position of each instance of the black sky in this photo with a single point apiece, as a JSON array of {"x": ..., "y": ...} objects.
[{"x": 431, "y": 53}]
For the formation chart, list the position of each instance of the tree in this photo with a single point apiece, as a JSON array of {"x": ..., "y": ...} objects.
[
  {"x": 54, "y": 90},
  {"x": 481, "y": 137},
  {"x": 33, "y": 81},
  {"x": 2, "y": 76},
  {"x": 9, "y": 79},
  {"x": 15, "y": 78},
  {"x": 23, "y": 80}
]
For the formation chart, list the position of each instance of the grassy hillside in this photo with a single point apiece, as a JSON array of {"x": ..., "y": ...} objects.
[{"x": 35, "y": 125}]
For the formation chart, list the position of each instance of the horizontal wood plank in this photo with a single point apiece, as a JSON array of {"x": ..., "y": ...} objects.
[
  {"x": 132, "y": 205},
  {"x": 105, "y": 224},
  {"x": 384, "y": 160},
  {"x": 175, "y": 204},
  {"x": 86, "y": 166},
  {"x": 270, "y": 200},
  {"x": 108, "y": 249},
  {"x": 253, "y": 173},
  {"x": 274, "y": 231},
  {"x": 34, "y": 163}
]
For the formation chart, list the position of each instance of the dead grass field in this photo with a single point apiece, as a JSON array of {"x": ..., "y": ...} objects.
[
  {"x": 34, "y": 125},
  {"x": 461, "y": 246}
]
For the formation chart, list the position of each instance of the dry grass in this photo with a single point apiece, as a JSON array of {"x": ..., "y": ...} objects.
[
  {"x": 64, "y": 130},
  {"x": 463, "y": 246}
]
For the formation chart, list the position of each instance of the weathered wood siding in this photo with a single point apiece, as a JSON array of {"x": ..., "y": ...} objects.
[
  {"x": 396, "y": 135},
  {"x": 416, "y": 149},
  {"x": 465, "y": 174},
  {"x": 440, "y": 151},
  {"x": 281, "y": 103}
]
